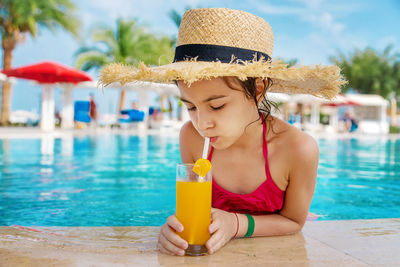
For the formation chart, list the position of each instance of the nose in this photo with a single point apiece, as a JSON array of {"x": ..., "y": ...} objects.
[{"x": 204, "y": 120}]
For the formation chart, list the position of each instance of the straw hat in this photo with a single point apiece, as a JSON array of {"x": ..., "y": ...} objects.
[{"x": 215, "y": 42}]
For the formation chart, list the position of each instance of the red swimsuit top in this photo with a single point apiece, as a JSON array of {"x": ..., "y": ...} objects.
[{"x": 267, "y": 198}]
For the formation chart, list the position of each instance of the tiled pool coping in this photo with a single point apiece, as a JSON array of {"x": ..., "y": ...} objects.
[{"x": 321, "y": 243}]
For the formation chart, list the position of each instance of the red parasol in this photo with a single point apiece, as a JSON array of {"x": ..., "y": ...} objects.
[
  {"x": 340, "y": 100},
  {"x": 48, "y": 72}
]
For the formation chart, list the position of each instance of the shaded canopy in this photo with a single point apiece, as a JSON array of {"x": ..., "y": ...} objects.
[
  {"x": 338, "y": 100},
  {"x": 341, "y": 100}
]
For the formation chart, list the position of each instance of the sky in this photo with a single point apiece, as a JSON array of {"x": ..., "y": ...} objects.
[{"x": 307, "y": 30}]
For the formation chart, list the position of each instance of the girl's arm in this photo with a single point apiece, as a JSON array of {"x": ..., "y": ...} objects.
[{"x": 299, "y": 193}]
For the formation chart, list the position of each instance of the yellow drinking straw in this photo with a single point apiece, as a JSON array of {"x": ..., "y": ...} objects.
[{"x": 203, "y": 166}]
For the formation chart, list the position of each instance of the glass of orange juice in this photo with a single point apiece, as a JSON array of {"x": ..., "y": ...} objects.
[{"x": 193, "y": 208}]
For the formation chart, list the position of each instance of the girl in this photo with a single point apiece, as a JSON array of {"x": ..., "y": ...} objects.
[{"x": 264, "y": 170}]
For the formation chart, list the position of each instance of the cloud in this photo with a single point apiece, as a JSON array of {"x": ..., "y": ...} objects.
[
  {"x": 325, "y": 35},
  {"x": 310, "y": 49},
  {"x": 314, "y": 48},
  {"x": 326, "y": 22},
  {"x": 278, "y": 10},
  {"x": 153, "y": 13},
  {"x": 314, "y": 12},
  {"x": 383, "y": 42}
]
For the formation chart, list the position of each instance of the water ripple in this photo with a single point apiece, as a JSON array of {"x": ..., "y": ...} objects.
[{"x": 122, "y": 180}]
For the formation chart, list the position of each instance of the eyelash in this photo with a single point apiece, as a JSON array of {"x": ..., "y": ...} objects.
[{"x": 217, "y": 108}]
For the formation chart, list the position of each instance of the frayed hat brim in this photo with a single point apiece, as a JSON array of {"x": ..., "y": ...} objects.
[{"x": 321, "y": 81}]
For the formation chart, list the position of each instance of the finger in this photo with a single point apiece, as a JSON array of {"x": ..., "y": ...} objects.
[
  {"x": 174, "y": 223},
  {"x": 170, "y": 247},
  {"x": 172, "y": 237},
  {"x": 215, "y": 239},
  {"x": 161, "y": 247},
  {"x": 214, "y": 226},
  {"x": 213, "y": 213},
  {"x": 219, "y": 243},
  {"x": 163, "y": 250}
]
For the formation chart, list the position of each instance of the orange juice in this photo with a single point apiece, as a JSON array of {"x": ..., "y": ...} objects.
[{"x": 193, "y": 210}]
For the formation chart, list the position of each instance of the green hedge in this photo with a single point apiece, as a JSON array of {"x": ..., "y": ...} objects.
[{"x": 394, "y": 129}]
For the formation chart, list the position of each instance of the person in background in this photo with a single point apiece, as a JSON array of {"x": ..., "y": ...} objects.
[
  {"x": 93, "y": 110},
  {"x": 350, "y": 122},
  {"x": 58, "y": 117},
  {"x": 135, "y": 105}
]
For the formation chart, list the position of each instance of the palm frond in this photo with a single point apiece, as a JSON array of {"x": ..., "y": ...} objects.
[
  {"x": 91, "y": 59},
  {"x": 106, "y": 37},
  {"x": 175, "y": 17},
  {"x": 27, "y": 15},
  {"x": 129, "y": 43},
  {"x": 85, "y": 49}
]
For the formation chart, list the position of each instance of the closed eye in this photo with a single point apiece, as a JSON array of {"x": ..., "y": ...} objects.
[{"x": 216, "y": 108}]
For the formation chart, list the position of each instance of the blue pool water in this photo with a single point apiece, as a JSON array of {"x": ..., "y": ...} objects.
[{"x": 121, "y": 180}]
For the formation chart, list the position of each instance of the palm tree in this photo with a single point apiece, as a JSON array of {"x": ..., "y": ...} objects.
[
  {"x": 129, "y": 44},
  {"x": 176, "y": 17},
  {"x": 371, "y": 72},
  {"x": 291, "y": 62},
  {"x": 19, "y": 18}
]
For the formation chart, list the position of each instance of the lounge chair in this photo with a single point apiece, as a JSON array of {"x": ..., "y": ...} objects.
[{"x": 81, "y": 111}]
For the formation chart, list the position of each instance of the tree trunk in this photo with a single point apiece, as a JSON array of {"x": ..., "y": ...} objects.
[
  {"x": 8, "y": 44},
  {"x": 162, "y": 97},
  {"x": 5, "y": 103},
  {"x": 121, "y": 101},
  {"x": 180, "y": 116},
  {"x": 393, "y": 112}
]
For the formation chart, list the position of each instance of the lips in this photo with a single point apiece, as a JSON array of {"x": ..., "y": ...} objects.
[{"x": 213, "y": 139}]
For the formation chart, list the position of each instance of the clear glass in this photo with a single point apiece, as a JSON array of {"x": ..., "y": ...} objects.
[{"x": 193, "y": 207}]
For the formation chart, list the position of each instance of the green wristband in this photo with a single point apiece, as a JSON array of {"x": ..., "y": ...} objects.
[{"x": 250, "y": 229}]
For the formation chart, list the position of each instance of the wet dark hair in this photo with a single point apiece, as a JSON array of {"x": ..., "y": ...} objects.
[{"x": 250, "y": 90}]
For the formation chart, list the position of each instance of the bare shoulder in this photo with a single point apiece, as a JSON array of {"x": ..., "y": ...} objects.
[
  {"x": 190, "y": 143},
  {"x": 304, "y": 154},
  {"x": 298, "y": 145},
  {"x": 303, "y": 144}
]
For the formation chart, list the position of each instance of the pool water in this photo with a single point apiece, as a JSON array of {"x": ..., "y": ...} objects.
[{"x": 123, "y": 180}]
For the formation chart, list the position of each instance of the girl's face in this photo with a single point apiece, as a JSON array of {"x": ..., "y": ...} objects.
[{"x": 218, "y": 111}]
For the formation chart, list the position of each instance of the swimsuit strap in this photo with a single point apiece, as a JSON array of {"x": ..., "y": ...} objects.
[{"x": 265, "y": 151}]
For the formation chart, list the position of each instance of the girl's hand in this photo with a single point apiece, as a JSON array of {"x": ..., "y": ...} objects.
[
  {"x": 168, "y": 241},
  {"x": 222, "y": 229}
]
